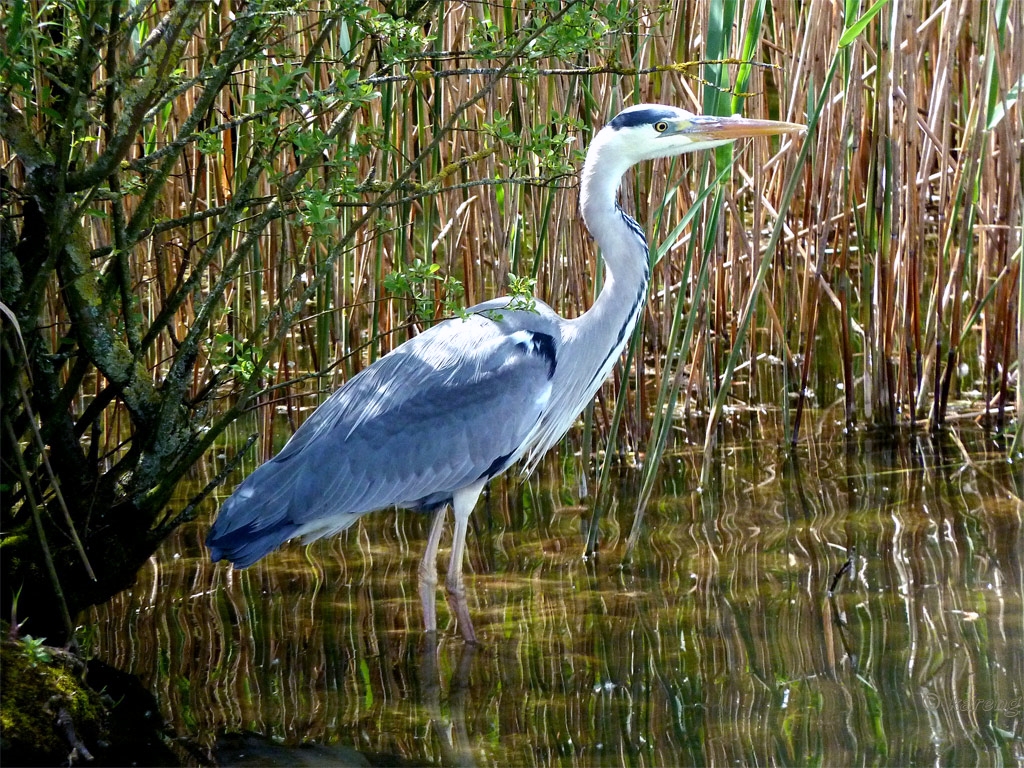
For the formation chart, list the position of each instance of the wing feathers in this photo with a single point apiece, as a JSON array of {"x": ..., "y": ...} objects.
[{"x": 454, "y": 405}]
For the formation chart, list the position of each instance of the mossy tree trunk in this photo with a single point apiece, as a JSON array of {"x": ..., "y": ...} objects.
[
  {"x": 77, "y": 525},
  {"x": 107, "y": 392}
]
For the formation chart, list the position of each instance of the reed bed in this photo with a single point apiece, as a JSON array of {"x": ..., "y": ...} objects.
[{"x": 369, "y": 169}]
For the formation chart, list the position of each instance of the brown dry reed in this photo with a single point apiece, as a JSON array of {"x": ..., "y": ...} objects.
[{"x": 871, "y": 267}]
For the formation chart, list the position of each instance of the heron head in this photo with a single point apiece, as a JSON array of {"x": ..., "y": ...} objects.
[{"x": 649, "y": 131}]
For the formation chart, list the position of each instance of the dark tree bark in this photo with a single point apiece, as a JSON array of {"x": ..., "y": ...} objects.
[{"x": 77, "y": 526}]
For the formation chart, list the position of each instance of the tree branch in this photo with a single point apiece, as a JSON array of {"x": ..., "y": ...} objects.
[{"x": 183, "y": 16}]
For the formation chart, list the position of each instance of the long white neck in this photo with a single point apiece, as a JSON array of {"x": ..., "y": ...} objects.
[
  {"x": 593, "y": 342},
  {"x": 623, "y": 246}
]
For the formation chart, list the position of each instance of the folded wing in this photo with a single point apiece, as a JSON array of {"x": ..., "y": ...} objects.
[{"x": 458, "y": 403}]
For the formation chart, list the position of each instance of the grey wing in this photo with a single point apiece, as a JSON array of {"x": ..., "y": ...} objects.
[{"x": 457, "y": 404}]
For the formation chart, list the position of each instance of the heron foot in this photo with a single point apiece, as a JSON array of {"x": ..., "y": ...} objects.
[{"x": 456, "y": 593}]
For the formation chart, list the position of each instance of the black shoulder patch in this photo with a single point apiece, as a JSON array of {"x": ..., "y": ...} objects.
[
  {"x": 634, "y": 117},
  {"x": 497, "y": 467},
  {"x": 543, "y": 345}
]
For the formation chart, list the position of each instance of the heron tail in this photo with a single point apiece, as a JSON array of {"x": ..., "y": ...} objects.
[
  {"x": 256, "y": 519},
  {"x": 242, "y": 535}
]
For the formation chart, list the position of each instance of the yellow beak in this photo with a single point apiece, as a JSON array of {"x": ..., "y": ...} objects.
[{"x": 712, "y": 128}]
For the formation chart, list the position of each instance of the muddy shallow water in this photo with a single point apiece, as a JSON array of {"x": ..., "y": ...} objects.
[{"x": 718, "y": 643}]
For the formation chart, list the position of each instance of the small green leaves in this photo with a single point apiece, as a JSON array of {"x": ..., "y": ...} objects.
[
  {"x": 240, "y": 357},
  {"x": 420, "y": 282},
  {"x": 521, "y": 291},
  {"x": 33, "y": 649},
  {"x": 521, "y": 298}
]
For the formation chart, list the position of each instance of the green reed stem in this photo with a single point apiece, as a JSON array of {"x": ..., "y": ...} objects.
[
  {"x": 679, "y": 351},
  {"x": 762, "y": 270},
  {"x": 1017, "y": 448},
  {"x": 603, "y": 498}
]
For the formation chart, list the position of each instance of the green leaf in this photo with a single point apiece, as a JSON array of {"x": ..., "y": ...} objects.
[
  {"x": 1005, "y": 104},
  {"x": 853, "y": 30}
]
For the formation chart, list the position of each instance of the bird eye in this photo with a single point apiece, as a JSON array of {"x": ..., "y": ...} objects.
[{"x": 661, "y": 126}]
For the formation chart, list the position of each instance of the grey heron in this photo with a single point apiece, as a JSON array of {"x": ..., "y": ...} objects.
[{"x": 427, "y": 425}]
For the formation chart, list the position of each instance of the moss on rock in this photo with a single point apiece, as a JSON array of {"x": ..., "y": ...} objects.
[
  {"x": 57, "y": 709},
  {"x": 43, "y": 701}
]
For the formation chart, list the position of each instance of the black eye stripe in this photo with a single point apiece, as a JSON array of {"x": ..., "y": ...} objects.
[{"x": 633, "y": 118}]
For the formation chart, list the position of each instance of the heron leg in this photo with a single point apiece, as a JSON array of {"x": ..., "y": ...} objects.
[
  {"x": 462, "y": 505},
  {"x": 428, "y": 571}
]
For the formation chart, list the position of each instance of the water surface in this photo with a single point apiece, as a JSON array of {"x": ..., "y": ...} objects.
[{"x": 717, "y": 644}]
